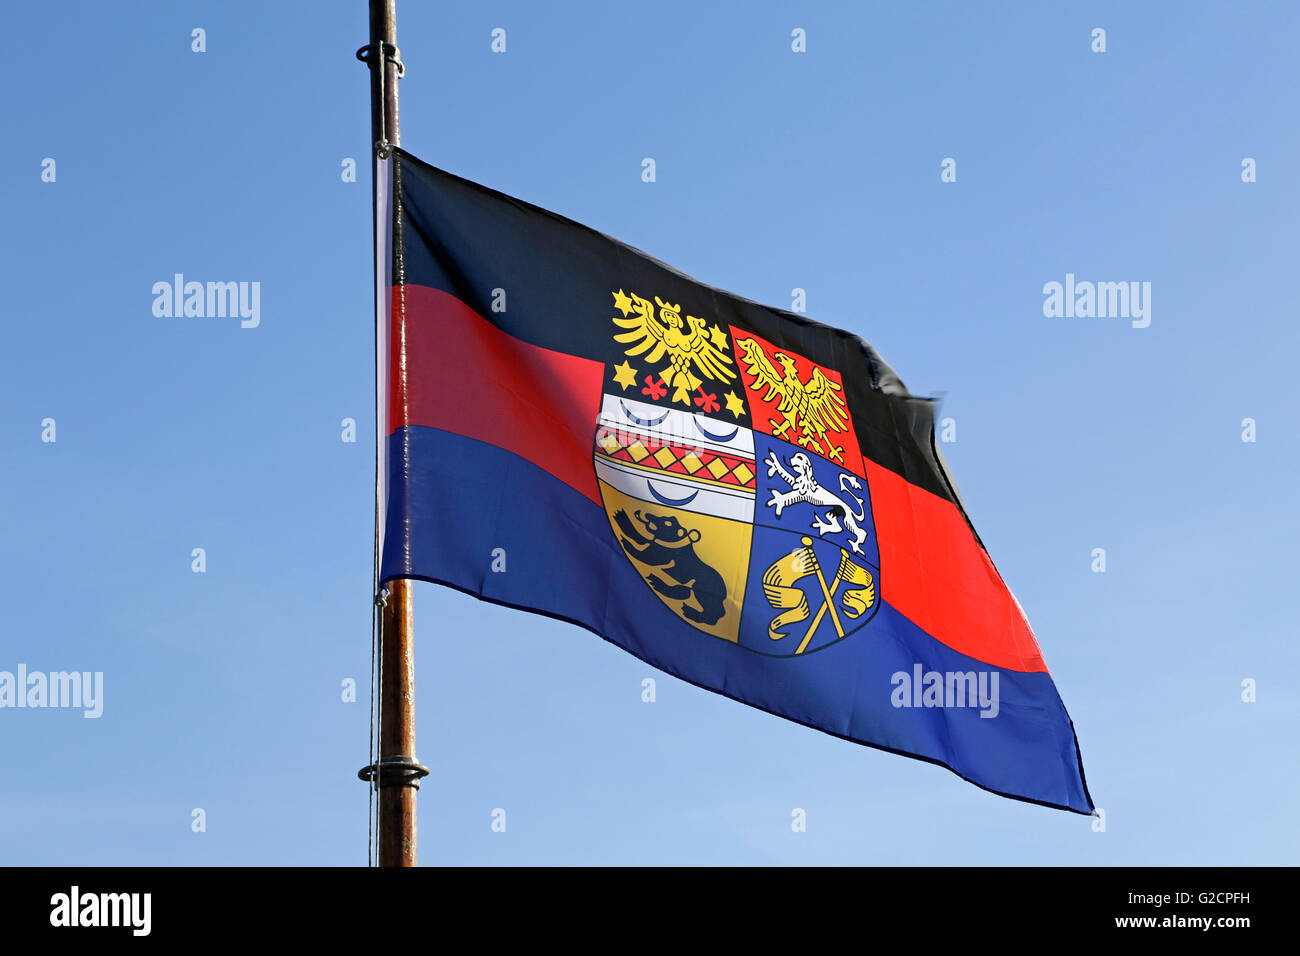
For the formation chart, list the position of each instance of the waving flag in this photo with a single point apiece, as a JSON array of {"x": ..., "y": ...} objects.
[{"x": 737, "y": 495}]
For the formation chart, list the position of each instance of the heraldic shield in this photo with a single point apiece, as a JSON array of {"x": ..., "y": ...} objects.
[{"x": 732, "y": 479}]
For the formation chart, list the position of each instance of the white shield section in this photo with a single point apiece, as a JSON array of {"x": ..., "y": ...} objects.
[
  {"x": 678, "y": 427},
  {"x": 676, "y": 491},
  {"x": 641, "y": 428}
]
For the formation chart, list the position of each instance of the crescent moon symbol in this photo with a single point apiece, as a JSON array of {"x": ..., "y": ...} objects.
[
  {"x": 648, "y": 422},
  {"x": 718, "y": 438},
  {"x": 672, "y": 502}
]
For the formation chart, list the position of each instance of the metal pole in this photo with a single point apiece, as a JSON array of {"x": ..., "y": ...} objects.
[
  {"x": 397, "y": 774},
  {"x": 384, "y": 120}
]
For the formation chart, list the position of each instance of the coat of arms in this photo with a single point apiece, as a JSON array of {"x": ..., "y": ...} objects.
[{"x": 731, "y": 476}]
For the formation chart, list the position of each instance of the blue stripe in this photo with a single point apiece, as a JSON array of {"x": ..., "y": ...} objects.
[{"x": 454, "y": 500}]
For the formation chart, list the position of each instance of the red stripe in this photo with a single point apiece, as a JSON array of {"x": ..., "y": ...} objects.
[
  {"x": 454, "y": 370},
  {"x": 935, "y": 573}
]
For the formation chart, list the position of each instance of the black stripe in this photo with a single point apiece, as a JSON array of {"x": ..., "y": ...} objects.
[{"x": 558, "y": 275}]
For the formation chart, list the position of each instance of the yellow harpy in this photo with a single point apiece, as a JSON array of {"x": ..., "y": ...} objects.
[{"x": 693, "y": 351}]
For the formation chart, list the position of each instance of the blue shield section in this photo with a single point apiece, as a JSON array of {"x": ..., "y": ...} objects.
[
  {"x": 814, "y": 568},
  {"x": 804, "y": 493},
  {"x": 804, "y": 594}
]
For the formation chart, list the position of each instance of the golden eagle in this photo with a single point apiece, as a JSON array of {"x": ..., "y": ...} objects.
[{"x": 814, "y": 406}]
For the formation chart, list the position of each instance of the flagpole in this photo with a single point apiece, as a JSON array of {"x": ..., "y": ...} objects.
[{"x": 396, "y": 776}]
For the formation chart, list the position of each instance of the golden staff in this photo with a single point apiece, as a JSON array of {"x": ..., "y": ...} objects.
[{"x": 826, "y": 593}]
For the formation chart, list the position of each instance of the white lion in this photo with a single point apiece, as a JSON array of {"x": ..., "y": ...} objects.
[{"x": 804, "y": 489}]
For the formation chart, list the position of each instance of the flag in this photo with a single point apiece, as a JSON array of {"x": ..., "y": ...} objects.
[{"x": 738, "y": 495}]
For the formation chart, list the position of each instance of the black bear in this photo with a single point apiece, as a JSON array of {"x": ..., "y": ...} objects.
[{"x": 671, "y": 548}]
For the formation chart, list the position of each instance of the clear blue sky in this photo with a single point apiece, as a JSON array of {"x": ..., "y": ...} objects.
[{"x": 775, "y": 170}]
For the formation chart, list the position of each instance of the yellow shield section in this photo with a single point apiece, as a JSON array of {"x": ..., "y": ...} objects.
[{"x": 696, "y": 563}]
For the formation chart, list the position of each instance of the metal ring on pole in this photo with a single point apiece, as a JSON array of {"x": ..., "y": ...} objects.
[
  {"x": 397, "y": 771},
  {"x": 391, "y": 55}
]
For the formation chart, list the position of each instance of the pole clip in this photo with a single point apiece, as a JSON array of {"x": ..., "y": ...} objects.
[
  {"x": 381, "y": 53},
  {"x": 396, "y": 771},
  {"x": 390, "y": 53}
]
